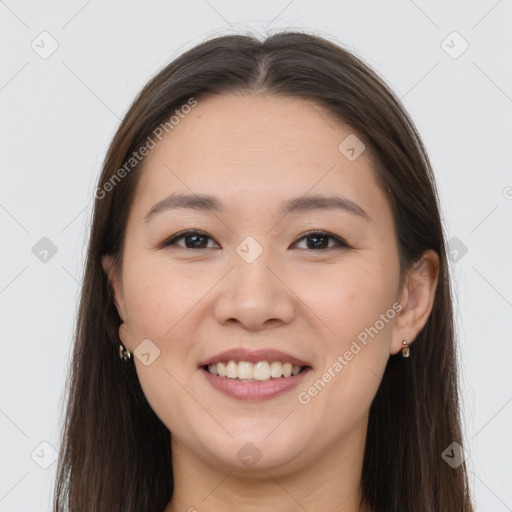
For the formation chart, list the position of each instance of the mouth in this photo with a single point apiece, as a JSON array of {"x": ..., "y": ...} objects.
[
  {"x": 254, "y": 375},
  {"x": 260, "y": 371},
  {"x": 261, "y": 385}
]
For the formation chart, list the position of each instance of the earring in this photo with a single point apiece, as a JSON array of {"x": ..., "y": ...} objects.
[
  {"x": 124, "y": 354},
  {"x": 405, "y": 350}
]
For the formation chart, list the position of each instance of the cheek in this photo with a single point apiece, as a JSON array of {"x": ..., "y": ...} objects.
[
  {"x": 160, "y": 305},
  {"x": 348, "y": 299},
  {"x": 159, "y": 297},
  {"x": 355, "y": 307}
]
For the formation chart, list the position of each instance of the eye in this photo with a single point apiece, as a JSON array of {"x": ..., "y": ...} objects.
[
  {"x": 193, "y": 240},
  {"x": 199, "y": 240},
  {"x": 320, "y": 240}
]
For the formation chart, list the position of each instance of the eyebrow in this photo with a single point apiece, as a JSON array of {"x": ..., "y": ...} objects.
[{"x": 208, "y": 203}]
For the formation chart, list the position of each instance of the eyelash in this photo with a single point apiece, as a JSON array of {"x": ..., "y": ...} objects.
[{"x": 185, "y": 234}]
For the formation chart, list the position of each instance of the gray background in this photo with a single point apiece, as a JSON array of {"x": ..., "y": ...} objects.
[{"x": 58, "y": 112}]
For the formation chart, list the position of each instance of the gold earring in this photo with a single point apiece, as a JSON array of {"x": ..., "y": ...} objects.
[
  {"x": 405, "y": 350},
  {"x": 124, "y": 354}
]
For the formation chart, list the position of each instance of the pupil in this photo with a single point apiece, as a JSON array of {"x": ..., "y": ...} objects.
[
  {"x": 193, "y": 245},
  {"x": 317, "y": 245}
]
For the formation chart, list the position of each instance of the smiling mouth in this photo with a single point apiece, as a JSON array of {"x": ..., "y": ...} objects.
[{"x": 262, "y": 371}]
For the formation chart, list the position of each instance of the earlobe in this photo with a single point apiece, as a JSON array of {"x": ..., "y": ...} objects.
[
  {"x": 125, "y": 336},
  {"x": 417, "y": 300}
]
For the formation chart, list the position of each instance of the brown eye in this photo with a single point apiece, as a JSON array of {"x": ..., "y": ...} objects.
[
  {"x": 316, "y": 240},
  {"x": 193, "y": 240},
  {"x": 320, "y": 240}
]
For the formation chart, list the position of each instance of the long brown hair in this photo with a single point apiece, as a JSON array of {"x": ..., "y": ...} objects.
[{"x": 115, "y": 452}]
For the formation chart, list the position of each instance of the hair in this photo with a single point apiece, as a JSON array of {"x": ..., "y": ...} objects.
[{"x": 115, "y": 452}]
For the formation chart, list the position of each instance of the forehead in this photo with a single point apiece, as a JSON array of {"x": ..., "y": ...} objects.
[
  {"x": 248, "y": 124},
  {"x": 250, "y": 148}
]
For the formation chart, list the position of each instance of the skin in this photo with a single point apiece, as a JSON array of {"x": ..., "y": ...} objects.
[{"x": 254, "y": 153}]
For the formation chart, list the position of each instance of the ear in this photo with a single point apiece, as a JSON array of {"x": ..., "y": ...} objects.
[
  {"x": 113, "y": 278},
  {"x": 119, "y": 301},
  {"x": 417, "y": 299}
]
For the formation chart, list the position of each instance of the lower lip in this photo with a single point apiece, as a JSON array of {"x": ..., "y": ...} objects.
[{"x": 254, "y": 391}]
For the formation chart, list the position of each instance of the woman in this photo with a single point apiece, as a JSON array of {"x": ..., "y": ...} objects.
[{"x": 266, "y": 319}]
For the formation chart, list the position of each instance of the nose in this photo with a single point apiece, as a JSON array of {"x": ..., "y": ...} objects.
[{"x": 255, "y": 295}]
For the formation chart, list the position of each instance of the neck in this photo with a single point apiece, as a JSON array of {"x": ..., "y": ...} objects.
[{"x": 329, "y": 483}]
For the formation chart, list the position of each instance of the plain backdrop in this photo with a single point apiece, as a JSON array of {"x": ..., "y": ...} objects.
[{"x": 68, "y": 72}]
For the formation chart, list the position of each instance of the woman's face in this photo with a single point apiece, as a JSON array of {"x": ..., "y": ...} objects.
[{"x": 253, "y": 279}]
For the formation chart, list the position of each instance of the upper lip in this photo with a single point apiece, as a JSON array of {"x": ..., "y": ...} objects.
[{"x": 253, "y": 356}]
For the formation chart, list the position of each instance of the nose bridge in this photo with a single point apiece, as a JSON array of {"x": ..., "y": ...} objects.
[
  {"x": 252, "y": 262},
  {"x": 252, "y": 294}
]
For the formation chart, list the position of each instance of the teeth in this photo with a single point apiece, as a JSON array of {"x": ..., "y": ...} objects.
[
  {"x": 221, "y": 369},
  {"x": 231, "y": 370},
  {"x": 245, "y": 370},
  {"x": 261, "y": 371},
  {"x": 276, "y": 369}
]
